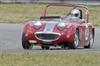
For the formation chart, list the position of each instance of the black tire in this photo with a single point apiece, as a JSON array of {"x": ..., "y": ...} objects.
[
  {"x": 91, "y": 41},
  {"x": 45, "y": 47},
  {"x": 25, "y": 43},
  {"x": 75, "y": 43}
]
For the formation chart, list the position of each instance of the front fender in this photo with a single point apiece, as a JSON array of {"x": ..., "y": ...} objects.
[
  {"x": 70, "y": 32},
  {"x": 73, "y": 29}
]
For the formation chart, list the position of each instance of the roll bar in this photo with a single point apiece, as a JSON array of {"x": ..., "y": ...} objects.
[{"x": 69, "y": 5}]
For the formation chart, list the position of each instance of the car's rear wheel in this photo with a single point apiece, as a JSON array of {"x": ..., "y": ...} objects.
[
  {"x": 26, "y": 44},
  {"x": 91, "y": 41},
  {"x": 45, "y": 47},
  {"x": 75, "y": 43}
]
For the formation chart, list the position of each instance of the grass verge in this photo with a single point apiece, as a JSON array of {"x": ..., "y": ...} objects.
[
  {"x": 20, "y": 13},
  {"x": 50, "y": 59}
]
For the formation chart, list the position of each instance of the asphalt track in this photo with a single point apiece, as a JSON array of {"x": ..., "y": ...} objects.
[{"x": 10, "y": 39}]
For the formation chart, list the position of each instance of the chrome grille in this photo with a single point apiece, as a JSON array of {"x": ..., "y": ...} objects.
[{"x": 47, "y": 36}]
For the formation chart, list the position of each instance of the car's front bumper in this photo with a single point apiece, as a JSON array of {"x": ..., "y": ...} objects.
[{"x": 49, "y": 38}]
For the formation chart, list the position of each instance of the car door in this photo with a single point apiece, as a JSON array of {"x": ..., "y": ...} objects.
[{"x": 84, "y": 33}]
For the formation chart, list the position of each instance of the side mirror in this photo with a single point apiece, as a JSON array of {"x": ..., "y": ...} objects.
[{"x": 82, "y": 21}]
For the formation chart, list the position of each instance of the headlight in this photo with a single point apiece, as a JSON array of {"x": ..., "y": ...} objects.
[
  {"x": 37, "y": 25},
  {"x": 61, "y": 26}
]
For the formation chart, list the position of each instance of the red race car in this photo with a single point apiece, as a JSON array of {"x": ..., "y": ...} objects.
[{"x": 71, "y": 31}]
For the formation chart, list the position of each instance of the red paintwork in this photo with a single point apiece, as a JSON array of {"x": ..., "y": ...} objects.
[{"x": 29, "y": 29}]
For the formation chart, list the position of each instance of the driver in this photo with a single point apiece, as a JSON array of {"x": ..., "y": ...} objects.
[{"x": 74, "y": 15}]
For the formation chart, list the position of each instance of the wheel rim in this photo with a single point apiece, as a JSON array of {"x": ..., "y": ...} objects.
[{"x": 76, "y": 41}]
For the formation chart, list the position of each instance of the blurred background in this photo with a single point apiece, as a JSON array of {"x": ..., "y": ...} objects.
[
  {"x": 96, "y": 2},
  {"x": 21, "y": 11}
]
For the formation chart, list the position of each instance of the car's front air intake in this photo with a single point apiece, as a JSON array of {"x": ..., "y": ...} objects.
[{"x": 47, "y": 36}]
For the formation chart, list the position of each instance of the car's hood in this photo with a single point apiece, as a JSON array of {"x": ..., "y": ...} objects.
[
  {"x": 55, "y": 23},
  {"x": 50, "y": 26}
]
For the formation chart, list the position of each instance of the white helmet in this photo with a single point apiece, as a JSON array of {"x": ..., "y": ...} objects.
[{"x": 75, "y": 12}]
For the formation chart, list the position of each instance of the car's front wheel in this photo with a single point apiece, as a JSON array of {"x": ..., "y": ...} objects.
[
  {"x": 75, "y": 43},
  {"x": 26, "y": 44}
]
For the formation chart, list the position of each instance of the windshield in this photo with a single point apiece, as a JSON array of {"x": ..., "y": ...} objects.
[{"x": 52, "y": 19}]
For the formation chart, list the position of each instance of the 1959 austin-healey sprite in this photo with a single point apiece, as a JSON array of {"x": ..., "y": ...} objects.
[{"x": 71, "y": 31}]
